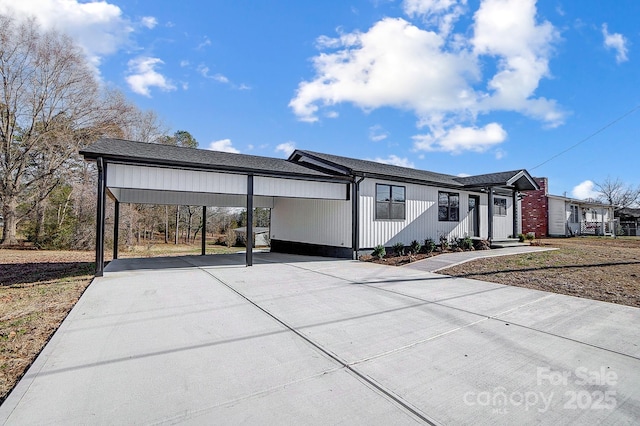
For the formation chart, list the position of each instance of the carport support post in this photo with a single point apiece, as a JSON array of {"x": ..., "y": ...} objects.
[
  {"x": 204, "y": 230},
  {"x": 100, "y": 214},
  {"x": 116, "y": 225},
  {"x": 249, "y": 220}
]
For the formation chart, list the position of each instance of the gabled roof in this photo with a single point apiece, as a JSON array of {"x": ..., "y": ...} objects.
[
  {"x": 519, "y": 179},
  {"x": 354, "y": 166},
  {"x": 175, "y": 156},
  {"x": 301, "y": 163}
]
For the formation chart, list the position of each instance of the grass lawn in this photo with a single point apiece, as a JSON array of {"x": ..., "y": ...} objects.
[{"x": 600, "y": 268}]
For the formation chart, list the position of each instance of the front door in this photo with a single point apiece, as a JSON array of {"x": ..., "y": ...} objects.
[{"x": 474, "y": 216}]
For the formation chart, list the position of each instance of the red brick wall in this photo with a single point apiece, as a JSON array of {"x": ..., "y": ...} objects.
[{"x": 535, "y": 210}]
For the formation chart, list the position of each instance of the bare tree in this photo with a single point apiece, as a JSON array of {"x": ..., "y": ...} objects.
[
  {"x": 618, "y": 194},
  {"x": 50, "y": 106}
]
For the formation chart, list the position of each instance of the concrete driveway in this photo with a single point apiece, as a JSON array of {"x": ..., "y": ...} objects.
[{"x": 302, "y": 340}]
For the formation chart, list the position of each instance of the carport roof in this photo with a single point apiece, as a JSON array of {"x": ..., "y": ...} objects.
[{"x": 193, "y": 158}]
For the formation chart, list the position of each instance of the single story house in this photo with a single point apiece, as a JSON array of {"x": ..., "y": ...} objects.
[
  {"x": 558, "y": 216},
  {"x": 320, "y": 203}
]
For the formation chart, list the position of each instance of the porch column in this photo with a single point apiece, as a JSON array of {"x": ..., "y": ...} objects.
[
  {"x": 204, "y": 230},
  {"x": 100, "y": 214},
  {"x": 516, "y": 212},
  {"x": 249, "y": 220},
  {"x": 116, "y": 225},
  {"x": 490, "y": 210},
  {"x": 355, "y": 226}
]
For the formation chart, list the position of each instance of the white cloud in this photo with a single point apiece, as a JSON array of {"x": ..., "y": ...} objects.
[
  {"x": 286, "y": 148},
  {"x": 393, "y": 64},
  {"x": 206, "y": 42},
  {"x": 463, "y": 175},
  {"x": 458, "y": 139},
  {"x": 377, "y": 133},
  {"x": 507, "y": 30},
  {"x": 439, "y": 75},
  {"x": 585, "y": 190},
  {"x": 98, "y": 27},
  {"x": 440, "y": 13},
  {"x": 184, "y": 63},
  {"x": 149, "y": 22},
  {"x": 143, "y": 75},
  {"x": 616, "y": 42},
  {"x": 500, "y": 154},
  {"x": 223, "y": 145},
  {"x": 394, "y": 160}
]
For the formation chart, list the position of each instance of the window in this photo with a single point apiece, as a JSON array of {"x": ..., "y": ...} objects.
[
  {"x": 500, "y": 206},
  {"x": 448, "y": 206},
  {"x": 573, "y": 218},
  {"x": 594, "y": 215},
  {"x": 390, "y": 202}
]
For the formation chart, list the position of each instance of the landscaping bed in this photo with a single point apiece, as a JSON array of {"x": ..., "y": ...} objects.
[{"x": 400, "y": 254}]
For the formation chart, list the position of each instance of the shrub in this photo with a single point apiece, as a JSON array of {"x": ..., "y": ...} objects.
[
  {"x": 230, "y": 237},
  {"x": 444, "y": 242},
  {"x": 379, "y": 251},
  {"x": 521, "y": 238},
  {"x": 530, "y": 236},
  {"x": 415, "y": 247},
  {"x": 429, "y": 246},
  {"x": 465, "y": 243},
  {"x": 398, "y": 249}
]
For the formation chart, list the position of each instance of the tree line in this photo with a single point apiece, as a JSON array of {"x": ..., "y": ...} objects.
[{"x": 51, "y": 106}]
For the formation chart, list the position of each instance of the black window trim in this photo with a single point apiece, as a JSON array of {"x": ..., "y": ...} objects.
[
  {"x": 449, "y": 194},
  {"x": 391, "y": 202}
]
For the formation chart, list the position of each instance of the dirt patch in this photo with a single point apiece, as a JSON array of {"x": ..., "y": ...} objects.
[{"x": 600, "y": 268}]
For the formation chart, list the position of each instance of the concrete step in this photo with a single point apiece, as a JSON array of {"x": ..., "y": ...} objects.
[{"x": 508, "y": 242}]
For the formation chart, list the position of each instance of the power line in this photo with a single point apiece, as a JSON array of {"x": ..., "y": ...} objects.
[{"x": 623, "y": 116}]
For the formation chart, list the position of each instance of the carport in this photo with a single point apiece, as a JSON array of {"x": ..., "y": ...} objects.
[{"x": 145, "y": 173}]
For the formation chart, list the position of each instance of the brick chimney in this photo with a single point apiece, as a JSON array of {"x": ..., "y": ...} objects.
[{"x": 535, "y": 210}]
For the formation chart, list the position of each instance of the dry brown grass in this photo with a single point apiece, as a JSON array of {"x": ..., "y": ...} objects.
[
  {"x": 600, "y": 268},
  {"x": 37, "y": 290}
]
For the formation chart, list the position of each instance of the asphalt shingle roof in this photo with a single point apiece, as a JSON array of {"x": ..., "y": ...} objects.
[
  {"x": 120, "y": 149},
  {"x": 374, "y": 168},
  {"x": 488, "y": 179},
  {"x": 169, "y": 155}
]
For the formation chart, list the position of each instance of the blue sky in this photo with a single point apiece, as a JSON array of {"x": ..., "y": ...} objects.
[{"x": 458, "y": 87}]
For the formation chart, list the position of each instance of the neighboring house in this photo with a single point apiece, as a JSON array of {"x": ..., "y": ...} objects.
[
  {"x": 629, "y": 221},
  {"x": 557, "y": 216},
  {"x": 320, "y": 203}
]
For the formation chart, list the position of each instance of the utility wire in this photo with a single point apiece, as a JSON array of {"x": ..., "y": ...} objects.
[{"x": 602, "y": 129}]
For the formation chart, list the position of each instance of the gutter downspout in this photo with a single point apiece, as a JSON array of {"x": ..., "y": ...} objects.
[{"x": 355, "y": 215}]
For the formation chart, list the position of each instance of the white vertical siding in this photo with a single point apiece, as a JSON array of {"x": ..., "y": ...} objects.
[
  {"x": 421, "y": 219},
  {"x": 503, "y": 225},
  {"x": 279, "y": 187},
  {"x": 160, "y": 178},
  {"x": 142, "y": 177},
  {"x": 325, "y": 222}
]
